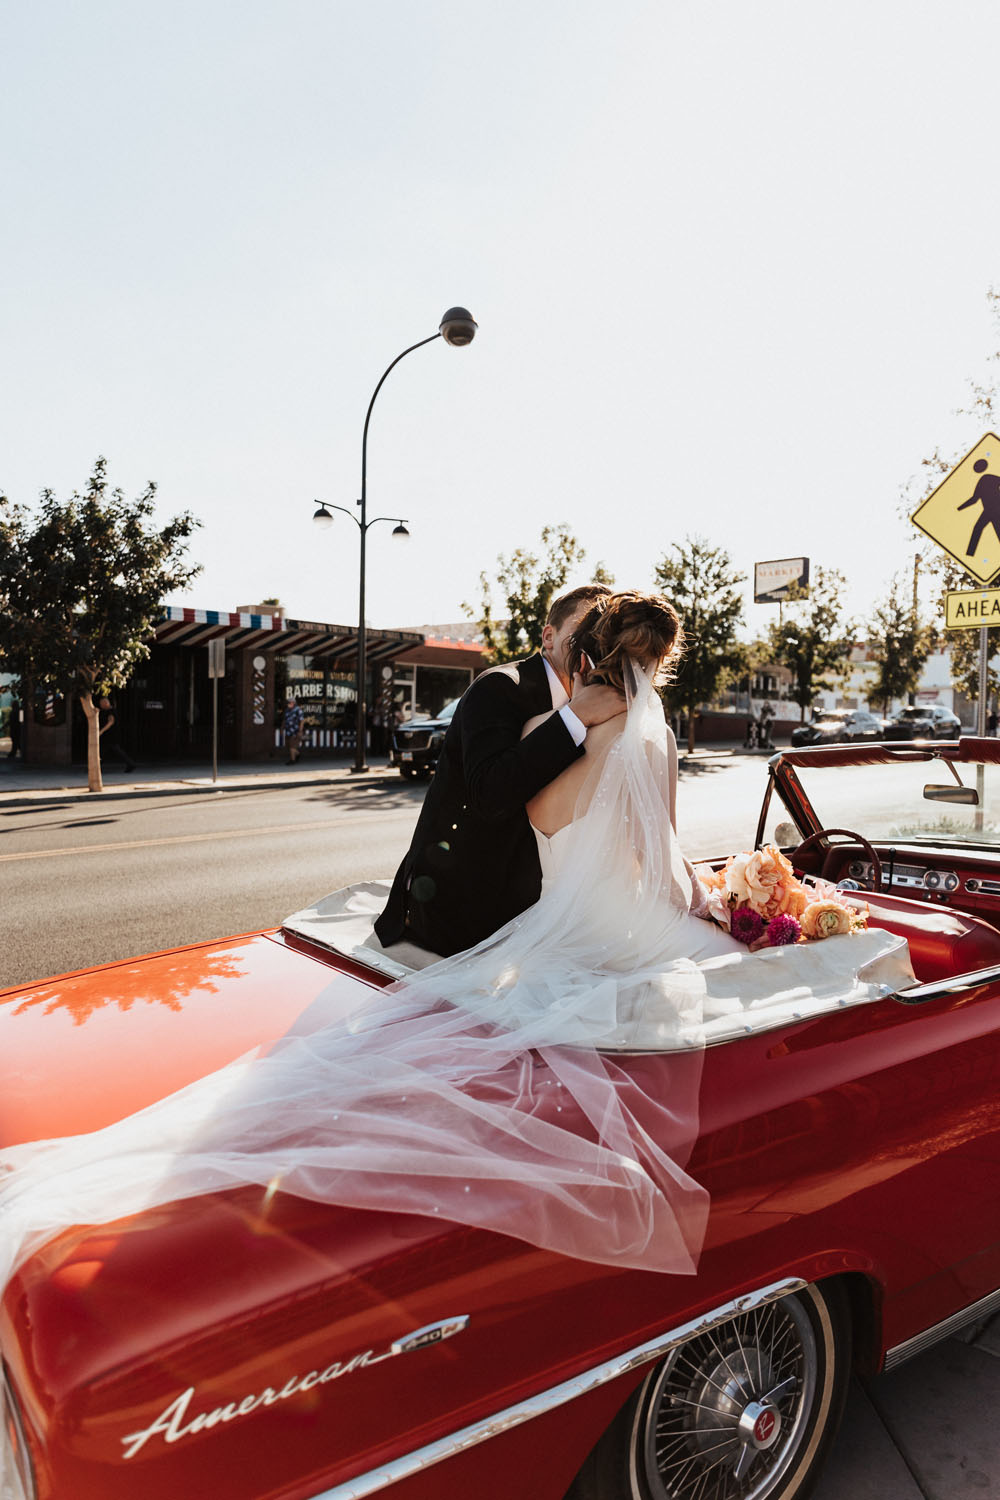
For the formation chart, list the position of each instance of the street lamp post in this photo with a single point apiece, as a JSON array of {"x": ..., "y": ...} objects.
[{"x": 457, "y": 328}]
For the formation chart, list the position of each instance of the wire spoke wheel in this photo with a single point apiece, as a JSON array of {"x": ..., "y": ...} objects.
[
  {"x": 744, "y": 1411},
  {"x": 725, "y": 1411}
]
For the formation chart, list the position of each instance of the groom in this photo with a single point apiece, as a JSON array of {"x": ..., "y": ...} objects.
[{"x": 473, "y": 864}]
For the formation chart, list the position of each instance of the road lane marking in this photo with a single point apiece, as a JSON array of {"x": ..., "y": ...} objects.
[{"x": 330, "y": 824}]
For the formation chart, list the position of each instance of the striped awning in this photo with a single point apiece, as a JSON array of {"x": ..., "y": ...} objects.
[{"x": 278, "y": 634}]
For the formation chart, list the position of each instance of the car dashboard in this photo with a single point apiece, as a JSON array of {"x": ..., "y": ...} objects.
[{"x": 963, "y": 882}]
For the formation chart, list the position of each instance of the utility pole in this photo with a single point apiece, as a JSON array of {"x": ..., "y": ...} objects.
[{"x": 916, "y": 572}]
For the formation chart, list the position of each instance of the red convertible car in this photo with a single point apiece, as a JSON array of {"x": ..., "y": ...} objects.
[{"x": 254, "y": 1346}]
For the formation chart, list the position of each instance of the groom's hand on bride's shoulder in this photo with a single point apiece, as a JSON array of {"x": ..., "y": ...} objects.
[{"x": 596, "y": 702}]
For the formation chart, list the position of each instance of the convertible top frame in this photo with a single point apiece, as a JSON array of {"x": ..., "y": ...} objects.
[{"x": 969, "y": 750}]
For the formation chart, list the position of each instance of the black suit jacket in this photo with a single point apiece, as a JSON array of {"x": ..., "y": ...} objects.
[{"x": 473, "y": 861}]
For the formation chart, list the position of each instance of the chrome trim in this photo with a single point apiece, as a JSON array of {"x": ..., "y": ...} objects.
[
  {"x": 17, "y": 1468},
  {"x": 918, "y": 994},
  {"x": 943, "y": 1330},
  {"x": 557, "y": 1395}
]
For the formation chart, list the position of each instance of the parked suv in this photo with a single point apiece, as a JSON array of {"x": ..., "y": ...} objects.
[
  {"x": 925, "y": 721},
  {"x": 838, "y": 726},
  {"x": 416, "y": 745}
]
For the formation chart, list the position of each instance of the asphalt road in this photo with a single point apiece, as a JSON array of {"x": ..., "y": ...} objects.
[
  {"x": 82, "y": 884},
  {"x": 84, "y": 881}
]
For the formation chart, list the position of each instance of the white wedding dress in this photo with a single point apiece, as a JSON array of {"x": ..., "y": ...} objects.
[{"x": 499, "y": 1087}]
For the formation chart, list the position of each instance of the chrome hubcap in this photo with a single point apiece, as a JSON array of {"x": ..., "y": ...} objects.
[{"x": 726, "y": 1413}]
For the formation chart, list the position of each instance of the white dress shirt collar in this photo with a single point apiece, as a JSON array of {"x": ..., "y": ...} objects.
[{"x": 559, "y": 693}]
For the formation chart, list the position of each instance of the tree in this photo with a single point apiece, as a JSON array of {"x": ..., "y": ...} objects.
[
  {"x": 81, "y": 585},
  {"x": 527, "y": 583},
  {"x": 899, "y": 645},
  {"x": 701, "y": 583},
  {"x": 813, "y": 641}
]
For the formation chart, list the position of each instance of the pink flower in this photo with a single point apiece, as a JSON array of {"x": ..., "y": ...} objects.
[
  {"x": 781, "y": 930},
  {"x": 746, "y": 925}
]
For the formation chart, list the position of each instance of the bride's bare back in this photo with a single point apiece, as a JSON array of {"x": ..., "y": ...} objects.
[{"x": 555, "y": 804}]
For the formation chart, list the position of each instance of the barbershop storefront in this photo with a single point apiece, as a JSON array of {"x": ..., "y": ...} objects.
[{"x": 165, "y": 712}]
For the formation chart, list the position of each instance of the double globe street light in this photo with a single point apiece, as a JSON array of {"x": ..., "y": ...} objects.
[{"x": 457, "y": 328}]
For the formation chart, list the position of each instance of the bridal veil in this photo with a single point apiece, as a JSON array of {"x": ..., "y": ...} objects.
[{"x": 481, "y": 1090}]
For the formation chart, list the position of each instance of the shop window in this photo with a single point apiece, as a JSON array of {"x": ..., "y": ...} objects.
[{"x": 436, "y": 686}]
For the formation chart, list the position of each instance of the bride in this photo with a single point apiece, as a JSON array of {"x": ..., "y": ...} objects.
[{"x": 543, "y": 1084}]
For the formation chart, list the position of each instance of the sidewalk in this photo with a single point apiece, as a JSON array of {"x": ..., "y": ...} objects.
[
  {"x": 21, "y": 783},
  {"x": 925, "y": 1432}
]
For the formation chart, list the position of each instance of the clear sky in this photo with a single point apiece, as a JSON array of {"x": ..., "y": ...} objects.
[{"x": 729, "y": 263}]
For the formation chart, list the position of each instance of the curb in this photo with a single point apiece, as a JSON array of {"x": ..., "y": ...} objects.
[{"x": 184, "y": 786}]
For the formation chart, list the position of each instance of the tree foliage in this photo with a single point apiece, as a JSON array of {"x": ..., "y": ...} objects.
[
  {"x": 82, "y": 582},
  {"x": 703, "y": 586},
  {"x": 527, "y": 582},
  {"x": 898, "y": 644},
  {"x": 813, "y": 640}
]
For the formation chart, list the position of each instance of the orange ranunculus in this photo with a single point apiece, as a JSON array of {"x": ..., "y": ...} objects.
[
  {"x": 715, "y": 880},
  {"x": 771, "y": 884},
  {"x": 823, "y": 919},
  {"x": 798, "y": 900}
]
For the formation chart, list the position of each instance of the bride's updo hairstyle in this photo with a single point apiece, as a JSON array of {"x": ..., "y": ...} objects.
[{"x": 630, "y": 626}]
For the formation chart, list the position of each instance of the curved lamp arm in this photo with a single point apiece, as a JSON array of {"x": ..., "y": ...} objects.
[{"x": 364, "y": 435}]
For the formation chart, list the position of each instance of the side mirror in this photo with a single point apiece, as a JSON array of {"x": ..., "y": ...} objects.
[{"x": 966, "y": 795}]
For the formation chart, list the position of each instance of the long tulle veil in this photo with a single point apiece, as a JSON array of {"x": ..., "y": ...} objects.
[{"x": 489, "y": 1089}]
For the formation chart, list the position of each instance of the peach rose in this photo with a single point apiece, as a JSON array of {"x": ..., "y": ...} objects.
[
  {"x": 772, "y": 888},
  {"x": 713, "y": 880},
  {"x": 823, "y": 919},
  {"x": 735, "y": 873}
]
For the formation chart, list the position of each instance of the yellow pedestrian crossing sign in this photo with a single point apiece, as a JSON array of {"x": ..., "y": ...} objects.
[{"x": 963, "y": 514}]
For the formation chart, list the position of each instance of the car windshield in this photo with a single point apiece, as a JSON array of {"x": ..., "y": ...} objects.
[
  {"x": 915, "y": 713},
  {"x": 887, "y": 802}
]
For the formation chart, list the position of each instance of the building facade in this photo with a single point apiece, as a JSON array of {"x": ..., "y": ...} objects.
[{"x": 165, "y": 712}]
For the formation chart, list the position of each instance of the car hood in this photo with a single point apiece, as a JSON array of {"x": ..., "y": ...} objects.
[
  {"x": 96, "y": 1045},
  {"x": 416, "y": 724}
]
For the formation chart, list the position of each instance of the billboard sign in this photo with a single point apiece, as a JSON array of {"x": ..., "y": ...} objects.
[{"x": 773, "y": 580}]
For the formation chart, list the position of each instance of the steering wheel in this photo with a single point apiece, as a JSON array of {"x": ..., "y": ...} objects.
[{"x": 856, "y": 838}]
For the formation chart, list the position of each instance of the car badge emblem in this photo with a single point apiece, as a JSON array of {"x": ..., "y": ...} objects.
[
  {"x": 431, "y": 1333},
  {"x": 764, "y": 1426}
]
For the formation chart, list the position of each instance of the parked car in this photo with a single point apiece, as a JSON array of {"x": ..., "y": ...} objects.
[
  {"x": 417, "y": 744},
  {"x": 838, "y": 726},
  {"x": 924, "y": 721},
  {"x": 251, "y": 1345}
]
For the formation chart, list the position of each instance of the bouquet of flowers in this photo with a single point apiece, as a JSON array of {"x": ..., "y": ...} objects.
[{"x": 758, "y": 898}]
